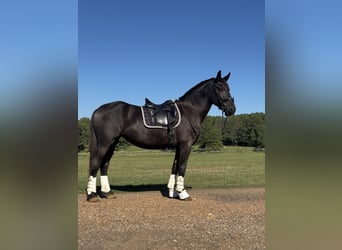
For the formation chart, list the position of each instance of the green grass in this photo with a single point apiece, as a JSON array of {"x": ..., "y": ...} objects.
[{"x": 232, "y": 167}]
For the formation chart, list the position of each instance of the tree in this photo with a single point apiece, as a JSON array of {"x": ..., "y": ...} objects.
[
  {"x": 210, "y": 137},
  {"x": 83, "y": 134},
  {"x": 84, "y": 137},
  {"x": 122, "y": 145},
  {"x": 230, "y": 133},
  {"x": 245, "y": 130},
  {"x": 241, "y": 130}
]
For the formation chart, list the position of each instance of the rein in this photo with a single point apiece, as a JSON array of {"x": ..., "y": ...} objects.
[{"x": 223, "y": 123}]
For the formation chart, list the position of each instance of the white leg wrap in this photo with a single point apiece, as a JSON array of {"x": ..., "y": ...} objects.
[
  {"x": 172, "y": 181},
  {"x": 180, "y": 184},
  {"x": 181, "y": 192},
  {"x": 105, "y": 184},
  {"x": 171, "y": 186},
  {"x": 91, "y": 185}
]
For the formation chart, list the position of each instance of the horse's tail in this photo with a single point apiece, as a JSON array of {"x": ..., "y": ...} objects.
[{"x": 93, "y": 145}]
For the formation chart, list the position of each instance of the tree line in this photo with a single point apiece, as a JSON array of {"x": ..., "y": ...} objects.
[{"x": 238, "y": 130}]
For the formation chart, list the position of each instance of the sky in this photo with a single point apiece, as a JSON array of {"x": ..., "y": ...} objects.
[{"x": 129, "y": 50}]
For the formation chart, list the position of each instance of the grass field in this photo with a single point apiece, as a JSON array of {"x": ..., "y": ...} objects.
[{"x": 232, "y": 167}]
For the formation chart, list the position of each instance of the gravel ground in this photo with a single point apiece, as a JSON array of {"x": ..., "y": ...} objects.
[{"x": 214, "y": 219}]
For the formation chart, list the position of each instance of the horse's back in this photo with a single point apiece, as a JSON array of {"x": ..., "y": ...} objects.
[
  {"x": 111, "y": 109},
  {"x": 114, "y": 115}
]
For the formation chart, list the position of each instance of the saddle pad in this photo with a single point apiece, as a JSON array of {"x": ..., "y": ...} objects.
[{"x": 158, "y": 119}]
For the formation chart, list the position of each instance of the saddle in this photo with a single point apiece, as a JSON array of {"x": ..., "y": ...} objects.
[
  {"x": 162, "y": 116},
  {"x": 165, "y": 115}
]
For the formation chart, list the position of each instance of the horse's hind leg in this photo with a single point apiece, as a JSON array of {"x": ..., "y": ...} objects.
[
  {"x": 94, "y": 164},
  {"x": 99, "y": 159},
  {"x": 106, "y": 192}
]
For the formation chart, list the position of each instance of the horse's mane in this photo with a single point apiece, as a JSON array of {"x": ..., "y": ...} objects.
[{"x": 194, "y": 90}]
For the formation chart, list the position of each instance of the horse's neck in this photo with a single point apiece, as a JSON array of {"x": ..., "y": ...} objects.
[
  {"x": 203, "y": 108},
  {"x": 197, "y": 102},
  {"x": 198, "y": 107}
]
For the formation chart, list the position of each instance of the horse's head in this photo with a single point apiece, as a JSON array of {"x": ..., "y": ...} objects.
[{"x": 222, "y": 97}]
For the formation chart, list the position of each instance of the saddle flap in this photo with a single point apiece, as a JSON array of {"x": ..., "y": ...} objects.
[{"x": 161, "y": 118}]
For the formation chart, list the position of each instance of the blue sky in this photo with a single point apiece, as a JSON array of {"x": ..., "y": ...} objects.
[{"x": 129, "y": 50}]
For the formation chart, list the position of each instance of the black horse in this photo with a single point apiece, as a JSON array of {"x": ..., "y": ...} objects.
[{"x": 119, "y": 119}]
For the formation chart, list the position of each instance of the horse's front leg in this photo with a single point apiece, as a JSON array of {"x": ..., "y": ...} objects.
[
  {"x": 184, "y": 153},
  {"x": 172, "y": 180}
]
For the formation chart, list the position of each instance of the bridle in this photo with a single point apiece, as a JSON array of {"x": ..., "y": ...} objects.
[{"x": 222, "y": 105}]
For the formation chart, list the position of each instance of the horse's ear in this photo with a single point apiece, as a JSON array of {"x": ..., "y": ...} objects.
[
  {"x": 218, "y": 77},
  {"x": 226, "y": 77}
]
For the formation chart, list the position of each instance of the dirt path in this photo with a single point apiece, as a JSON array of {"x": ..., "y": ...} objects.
[{"x": 215, "y": 219}]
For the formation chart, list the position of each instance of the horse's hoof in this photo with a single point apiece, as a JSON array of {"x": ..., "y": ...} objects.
[
  {"x": 108, "y": 195},
  {"x": 184, "y": 196},
  {"x": 172, "y": 193},
  {"x": 92, "y": 197}
]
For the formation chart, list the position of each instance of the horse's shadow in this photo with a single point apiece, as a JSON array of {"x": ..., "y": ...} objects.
[{"x": 162, "y": 188}]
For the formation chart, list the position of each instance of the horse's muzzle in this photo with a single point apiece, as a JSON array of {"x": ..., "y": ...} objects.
[{"x": 230, "y": 110}]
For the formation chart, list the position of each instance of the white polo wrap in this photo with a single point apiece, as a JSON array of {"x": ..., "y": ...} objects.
[
  {"x": 171, "y": 185},
  {"x": 180, "y": 184},
  {"x": 172, "y": 181},
  {"x": 91, "y": 188},
  {"x": 105, "y": 184}
]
